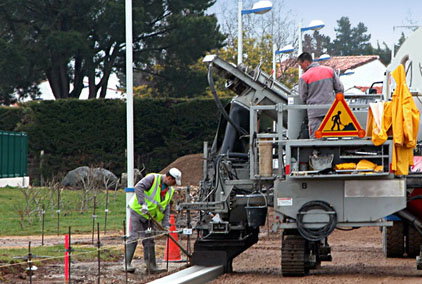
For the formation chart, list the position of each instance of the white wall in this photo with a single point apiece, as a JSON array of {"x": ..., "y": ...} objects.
[
  {"x": 16, "y": 182},
  {"x": 364, "y": 75}
]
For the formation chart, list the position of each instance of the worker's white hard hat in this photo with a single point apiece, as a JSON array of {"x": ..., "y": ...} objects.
[{"x": 176, "y": 174}]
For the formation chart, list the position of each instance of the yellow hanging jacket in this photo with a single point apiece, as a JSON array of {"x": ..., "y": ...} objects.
[
  {"x": 381, "y": 135},
  {"x": 379, "y": 132},
  {"x": 400, "y": 119},
  {"x": 405, "y": 124}
]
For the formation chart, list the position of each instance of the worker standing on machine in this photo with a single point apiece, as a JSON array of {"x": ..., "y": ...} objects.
[
  {"x": 152, "y": 198},
  {"x": 317, "y": 86}
]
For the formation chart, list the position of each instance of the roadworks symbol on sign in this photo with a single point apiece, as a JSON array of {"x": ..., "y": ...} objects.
[{"x": 339, "y": 121}]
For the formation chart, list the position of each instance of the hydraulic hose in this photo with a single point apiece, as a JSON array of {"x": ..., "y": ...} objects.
[
  {"x": 406, "y": 215},
  {"x": 317, "y": 234},
  {"x": 220, "y": 106},
  {"x": 414, "y": 198}
]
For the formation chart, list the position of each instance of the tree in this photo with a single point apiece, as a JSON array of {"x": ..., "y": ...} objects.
[
  {"x": 400, "y": 42},
  {"x": 278, "y": 24},
  {"x": 73, "y": 40},
  {"x": 384, "y": 53},
  {"x": 190, "y": 39},
  {"x": 360, "y": 40},
  {"x": 351, "y": 41},
  {"x": 259, "y": 33},
  {"x": 317, "y": 44},
  {"x": 17, "y": 76}
]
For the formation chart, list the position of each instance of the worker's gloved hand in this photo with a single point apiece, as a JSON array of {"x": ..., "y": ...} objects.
[{"x": 144, "y": 209}]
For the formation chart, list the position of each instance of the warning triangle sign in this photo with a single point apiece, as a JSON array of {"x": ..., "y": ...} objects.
[{"x": 339, "y": 121}]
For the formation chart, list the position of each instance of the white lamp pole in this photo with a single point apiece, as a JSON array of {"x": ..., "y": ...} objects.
[
  {"x": 129, "y": 109},
  {"x": 239, "y": 33},
  {"x": 260, "y": 7},
  {"x": 274, "y": 65},
  {"x": 299, "y": 51}
]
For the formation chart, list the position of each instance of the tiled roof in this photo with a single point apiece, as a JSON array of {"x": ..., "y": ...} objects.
[
  {"x": 348, "y": 62},
  {"x": 336, "y": 62}
]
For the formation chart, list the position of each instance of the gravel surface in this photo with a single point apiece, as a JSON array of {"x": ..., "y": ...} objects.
[{"x": 357, "y": 258}]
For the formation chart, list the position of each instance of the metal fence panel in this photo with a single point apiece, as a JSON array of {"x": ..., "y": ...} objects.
[{"x": 13, "y": 154}]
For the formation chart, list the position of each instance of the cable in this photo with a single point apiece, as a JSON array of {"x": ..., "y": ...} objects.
[
  {"x": 347, "y": 229},
  {"x": 220, "y": 107},
  {"x": 318, "y": 233},
  {"x": 414, "y": 198}
]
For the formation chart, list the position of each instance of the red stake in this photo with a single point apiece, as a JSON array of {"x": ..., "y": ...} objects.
[{"x": 66, "y": 258}]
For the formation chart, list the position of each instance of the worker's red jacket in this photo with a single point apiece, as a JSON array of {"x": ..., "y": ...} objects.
[{"x": 318, "y": 86}]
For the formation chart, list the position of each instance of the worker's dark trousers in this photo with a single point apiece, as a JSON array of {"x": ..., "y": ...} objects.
[{"x": 138, "y": 226}]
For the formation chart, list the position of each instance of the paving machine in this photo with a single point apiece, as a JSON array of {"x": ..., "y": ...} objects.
[{"x": 258, "y": 159}]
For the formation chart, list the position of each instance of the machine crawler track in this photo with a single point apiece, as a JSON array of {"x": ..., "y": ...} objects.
[
  {"x": 413, "y": 242},
  {"x": 293, "y": 256},
  {"x": 393, "y": 240}
]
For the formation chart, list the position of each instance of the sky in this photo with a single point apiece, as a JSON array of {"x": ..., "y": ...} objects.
[{"x": 379, "y": 16}]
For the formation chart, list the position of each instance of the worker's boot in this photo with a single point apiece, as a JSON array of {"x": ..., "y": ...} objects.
[
  {"x": 130, "y": 251},
  {"x": 149, "y": 257}
]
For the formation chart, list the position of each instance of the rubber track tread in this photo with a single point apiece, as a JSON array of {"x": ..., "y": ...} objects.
[
  {"x": 414, "y": 240},
  {"x": 393, "y": 240},
  {"x": 293, "y": 256}
]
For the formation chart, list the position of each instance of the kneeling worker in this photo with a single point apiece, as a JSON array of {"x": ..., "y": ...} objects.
[{"x": 153, "y": 194}]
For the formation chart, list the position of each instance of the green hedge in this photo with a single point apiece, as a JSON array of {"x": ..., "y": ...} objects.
[
  {"x": 75, "y": 133},
  {"x": 10, "y": 117}
]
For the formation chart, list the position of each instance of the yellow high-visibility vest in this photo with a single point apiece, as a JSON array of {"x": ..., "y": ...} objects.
[{"x": 156, "y": 207}]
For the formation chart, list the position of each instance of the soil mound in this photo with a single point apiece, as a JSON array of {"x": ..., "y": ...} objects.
[{"x": 190, "y": 166}]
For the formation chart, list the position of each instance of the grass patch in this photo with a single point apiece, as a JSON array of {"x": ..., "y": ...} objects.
[{"x": 21, "y": 211}]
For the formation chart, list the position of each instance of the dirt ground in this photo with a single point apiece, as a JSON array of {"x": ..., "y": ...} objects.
[
  {"x": 357, "y": 258},
  {"x": 52, "y": 271}
]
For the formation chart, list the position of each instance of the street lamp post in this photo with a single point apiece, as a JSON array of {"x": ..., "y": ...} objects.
[
  {"x": 287, "y": 49},
  {"x": 129, "y": 109},
  {"x": 239, "y": 33},
  {"x": 313, "y": 25},
  {"x": 260, "y": 7}
]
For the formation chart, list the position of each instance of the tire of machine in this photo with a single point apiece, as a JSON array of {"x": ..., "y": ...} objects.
[
  {"x": 413, "y": 242},
  {"x": 293, "y": 256},
  {"x": 393, "y": 240}
]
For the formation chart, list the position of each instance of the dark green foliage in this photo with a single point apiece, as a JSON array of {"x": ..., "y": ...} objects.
[
  {"x": 10, "y": 117},
  {"x": 70, "y": 41},
  {"x": 351, "y": 41},
  {"x": 400, "y": 42},
  {"x": 317, "y": 43},
  {"x": 76, "y": 133},
  {"x": 384, "y": 53},
  {"x": 198, "y": 35},
  {"x": 17, "y": 74}
]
